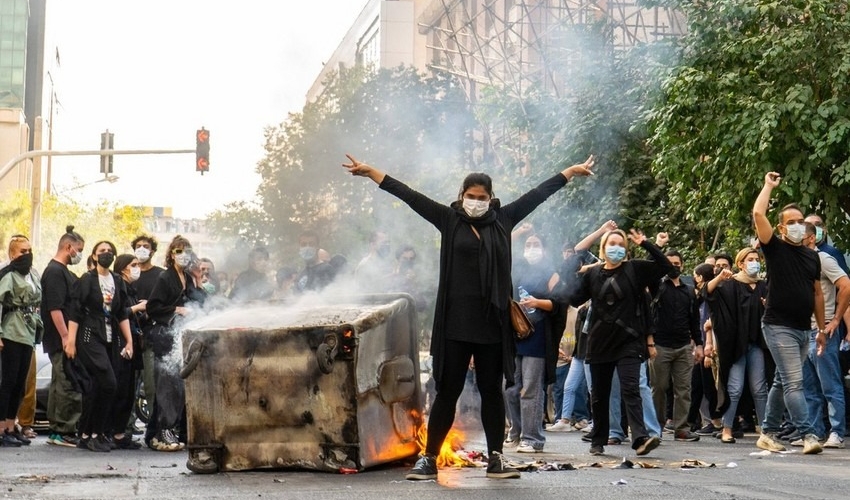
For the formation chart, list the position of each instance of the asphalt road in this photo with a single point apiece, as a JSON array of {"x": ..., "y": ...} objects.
[{"x": 46, "y": 471}]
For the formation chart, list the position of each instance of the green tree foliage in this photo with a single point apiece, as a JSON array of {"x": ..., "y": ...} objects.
[
  {"x": 417, "y": 129},
  {"x": 102, "y": 221},
  {"x": 757, "y": 85}
]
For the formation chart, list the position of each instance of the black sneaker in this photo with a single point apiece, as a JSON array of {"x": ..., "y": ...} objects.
[
  {"x": 499, "y": 468},
  {"x": 708, "y": 430},
  {"x": 794, "y": 436},
  {"x": 20, "y": 437},
  {"x": 647, "y": 445},
  {"x": 99, "y": 444},
  {"x": 9, "y": 440},
  {"x": 126, "y": 443},
  {"x": 687, "y": 436},
  {"x": 425, "y": 468},
  {"x": 597, "y": 450},
  {"x": 83, "y": 443}
]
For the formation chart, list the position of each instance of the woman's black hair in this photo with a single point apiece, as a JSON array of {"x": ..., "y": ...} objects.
[
  {"x": 111, "y": 247},
  {"x": 706, "y": 271},
  {"x": 122, "y": 261},
  {"x": 477, "y": 179}
]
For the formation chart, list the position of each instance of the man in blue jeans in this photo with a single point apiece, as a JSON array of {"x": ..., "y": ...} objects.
[
  {"x": 794, "y": 294},
  {"x": 822, "y": 374}
]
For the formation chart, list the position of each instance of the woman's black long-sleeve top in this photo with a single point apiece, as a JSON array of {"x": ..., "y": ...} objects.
[
  {"x": 495, "y": 285},
  {"x": 87, "y": 305},
  {"x": 618, "y": 326},
  {"x": 168, "y": 294}
]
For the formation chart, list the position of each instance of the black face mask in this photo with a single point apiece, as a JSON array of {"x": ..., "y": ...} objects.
[
  {"x": 22, "y": 264},
  {"x": 105, "y": 259},
  {"x": 674, "y": 273}
]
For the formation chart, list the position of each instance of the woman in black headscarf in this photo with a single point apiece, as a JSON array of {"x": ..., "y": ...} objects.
[{"x": 471, "y": 316}]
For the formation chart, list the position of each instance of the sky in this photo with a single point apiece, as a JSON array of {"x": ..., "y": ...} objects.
[{"x": 154, "y": 72}]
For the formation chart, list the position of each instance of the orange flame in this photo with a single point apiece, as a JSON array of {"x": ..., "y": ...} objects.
[{"x": 448, "y": 456}]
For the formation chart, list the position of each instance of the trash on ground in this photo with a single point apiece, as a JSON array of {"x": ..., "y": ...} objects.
[{"x": 621, "y": 481}]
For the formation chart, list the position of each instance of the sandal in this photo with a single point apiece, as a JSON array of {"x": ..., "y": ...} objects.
[
  {"x": 727, "y": 440},
  {"x": 614, "y": 441},
  {"x": 29, "y": 433}
]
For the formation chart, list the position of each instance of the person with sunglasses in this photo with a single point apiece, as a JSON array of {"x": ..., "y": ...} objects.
[{"x": 174, "y": 296}]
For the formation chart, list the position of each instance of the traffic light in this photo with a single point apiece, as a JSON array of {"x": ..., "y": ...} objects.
[
  {"x": 106, "y": 142},
  {"x": 202, "y": 150}
]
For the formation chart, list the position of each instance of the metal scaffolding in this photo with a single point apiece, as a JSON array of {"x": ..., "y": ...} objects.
[{"x": 511, "y": 44}]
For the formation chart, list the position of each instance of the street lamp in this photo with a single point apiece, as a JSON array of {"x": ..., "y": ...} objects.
[{"x": 112, "y": 179}]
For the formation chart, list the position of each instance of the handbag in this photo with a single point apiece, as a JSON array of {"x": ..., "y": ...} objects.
[{"x": 523, "y": 327}]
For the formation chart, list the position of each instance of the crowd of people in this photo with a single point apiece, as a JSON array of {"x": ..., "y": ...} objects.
[
  {"x": 115, "y": 328},
  {"x": 635, "y": 349}
]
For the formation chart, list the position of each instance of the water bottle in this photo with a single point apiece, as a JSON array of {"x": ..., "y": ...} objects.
[{"x": 524, "y": 295}]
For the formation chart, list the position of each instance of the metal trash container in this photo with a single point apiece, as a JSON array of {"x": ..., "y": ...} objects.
[{"x": 329, "y": 388}]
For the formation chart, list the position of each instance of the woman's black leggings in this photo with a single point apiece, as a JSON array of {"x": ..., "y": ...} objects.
[
  {"x": 489, "y": 374},
  {"x": 15, "y": 367},
  {"x": 125, "y": 392}
]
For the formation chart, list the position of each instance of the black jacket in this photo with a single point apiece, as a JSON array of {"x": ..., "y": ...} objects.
[
  {"x": 87, "y": 305},
  {"x": 168, "y": 294},
  {"x": 448, "y": 220}
]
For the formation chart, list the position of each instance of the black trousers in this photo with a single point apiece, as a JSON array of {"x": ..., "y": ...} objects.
[
  {"x": 96, "y": 357},
  {"x": 125, "y": 388},
  {"x": 702, "y": 385},
  {"x": 15, "y": 359},
  {"x": 601, "y": 374},
  {"x": 489, "y": 374}
]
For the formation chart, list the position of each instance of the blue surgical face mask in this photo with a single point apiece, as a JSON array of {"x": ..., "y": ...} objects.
[
  {"x": 818, "y": 234},
  {"x": 614, "y": 254},
  {"x": 753, "y": 267}
]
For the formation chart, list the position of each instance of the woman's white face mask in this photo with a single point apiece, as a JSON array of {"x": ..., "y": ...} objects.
[
  {"x": 533, "y": 255},
  {"x": 475, "y": 208}
]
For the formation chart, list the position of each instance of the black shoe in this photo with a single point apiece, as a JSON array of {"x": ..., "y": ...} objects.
[
  {"x": 786, "y": 431},
  {"x": 587, "y": 439},
  {"x": 708, "y": 430},
  {"x": 794, "y": 436},
  {"x": 126, "y": 443},
  {"x": 20, "y": 437},
  {"x": 99, "y": 444},
  {"x": 597, "y": 449},
  {"x": 425, "y": 468},
  {"x": 647, "y": 445},
  {"x": 687, "y": 436},
  {"x": 499, "y": 468},
  {"x": 83, "y": 443},
  {"x": 9, "y": 440}
]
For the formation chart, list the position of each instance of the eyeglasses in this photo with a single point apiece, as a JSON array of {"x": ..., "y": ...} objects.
[{"x": 178, "y": 251}]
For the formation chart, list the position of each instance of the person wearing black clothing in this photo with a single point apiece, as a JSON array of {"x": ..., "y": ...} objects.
[
  {"x": 253, "y": 284},
  {"x": 144, "y": 248},
  {"x": 676, "y": 316},
  {"x": 64, "y": 404},
  {"x": 702, "y": 379},
  {"x": 793, "y": 294},
  {"x": 618, "y": 333},
  {"x": 98, "y": 314},
  {"x": 171, "y": 298},
  {"x": 471, "y": 315},
  {"x": 127, "y": 267}
]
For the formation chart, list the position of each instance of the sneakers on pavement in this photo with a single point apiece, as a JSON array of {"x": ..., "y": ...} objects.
[
  {"x": 425, "y": 468},
  {"x": 60, "y": 440},
  {"x": 9, "y": 440},
  {"x": 586, "y": 429},
  {"x": 510, "y": 443},
  {"x": 834, "y": 441},
  {"x": 581, "y": 425},
  {"x": 708, "y": 430},
  {"x": 560, "y": 426},
  {"x": 687, "y": 436},
  {"x": 126, "y": 443},
  {"x": 597, "y": 450},
  {"x": 499, "y": 468},
  {"x": 99, "y": 444},
  {"x": 647, "y": 445},
  {"x": 768, "y": 441},
  {"x": 811, "y": 445},
  {"x": 527, "y": 448},
  {"x": 20, "y": 437},
  {"x": 165, "y": 441}
]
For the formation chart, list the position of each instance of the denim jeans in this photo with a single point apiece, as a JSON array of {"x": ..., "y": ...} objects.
[
  {"x": 575, "y": 392},
  {"x": 561, "y": 372},
  {"x": 524, "y": 401},
  {"x": 650, "y": 418},
  {"x": 751, "y": 364},
  {"x": 822, "y": 380},
  {"x": 789, "y": 347}
]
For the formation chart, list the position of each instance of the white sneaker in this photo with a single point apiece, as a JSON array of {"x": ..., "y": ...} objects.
[
  {"x": 811, "y": 445},
  {"x": 527, "y": 448},
  {"x": 581, "y": 425},
  {"x": 768, "y": 441},
  {"x": 798, "y": 442},
  {"x": 560, "y": 426},
  {"x": 834, "y": 441},
  {"x": 587, "y": 429}
]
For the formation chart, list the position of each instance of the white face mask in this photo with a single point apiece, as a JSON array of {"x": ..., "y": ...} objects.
[
  {"x": 795, "y": 232},
  {"x": 753, "y": 268},
  {"x": 143, "y": 254},
  {"x": 135, "y": 272},
  {"x": 183, "y": 259},
  {"x": 76, "y": 259},
  {"x": 475, "y": 208},
  {"x": 533, "y": 255}
]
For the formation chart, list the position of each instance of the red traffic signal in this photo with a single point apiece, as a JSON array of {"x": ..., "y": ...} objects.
[{"x": 202, "y": 150}]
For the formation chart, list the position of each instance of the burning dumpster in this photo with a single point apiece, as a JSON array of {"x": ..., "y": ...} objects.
[{"x": 330, "y": 388}]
